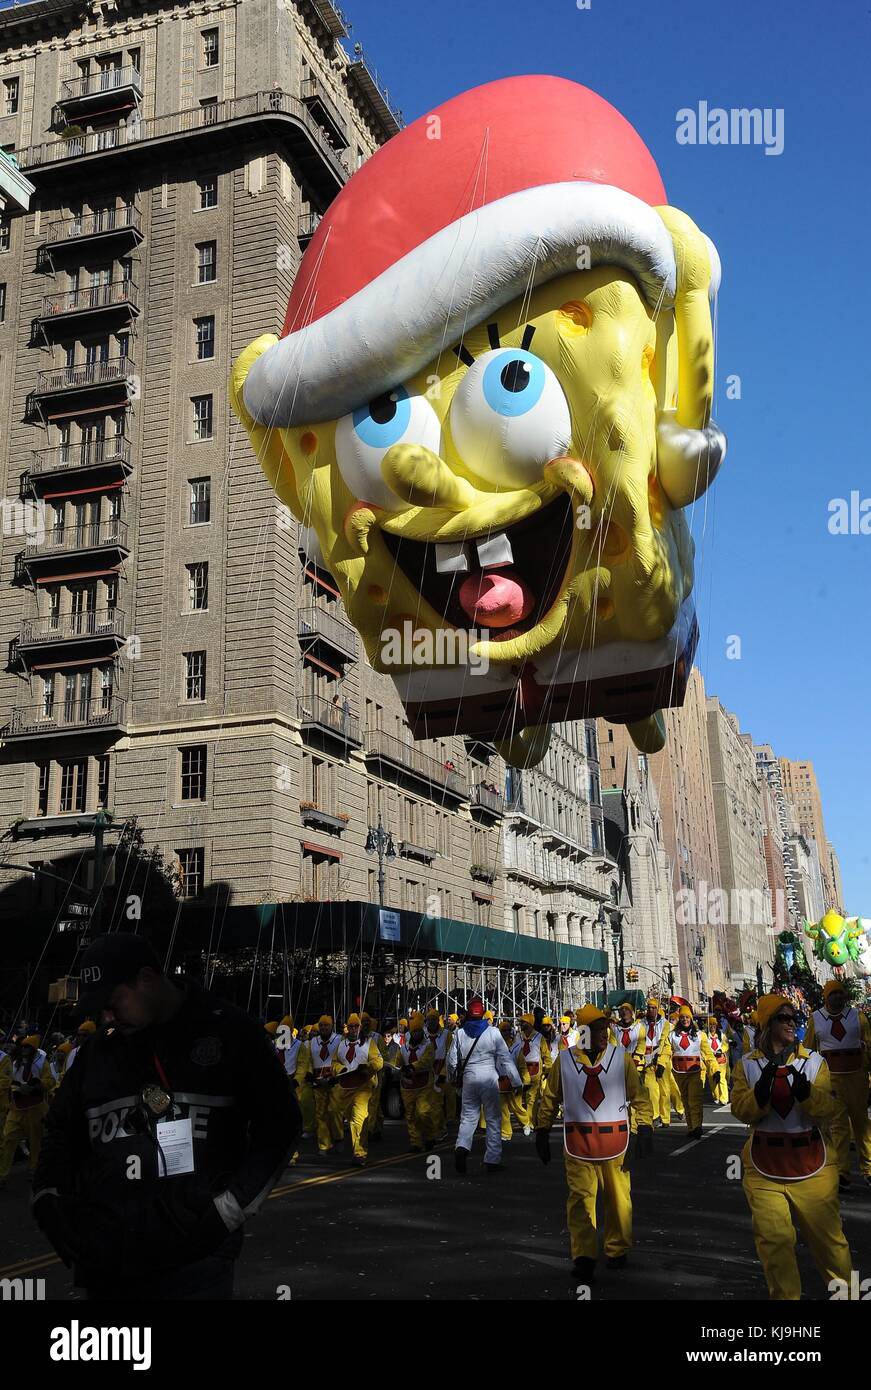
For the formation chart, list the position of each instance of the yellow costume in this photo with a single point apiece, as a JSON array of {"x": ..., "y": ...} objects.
[
  {"x": 316, "y": 1061},
  {"x": 353, "y": 1091},
  {"x": 536, "y": 1054},
  {"x": 720, "y": 1048},
  {"x": 415, "y": 1059},
  {"x": 657, "y": 1073},
  {"x": 376, "y": 1116},
  {"x": 845, "y": 1042},
  {"x": 692, "y": 1060},
  {"x": 790, "y": 1175},
  {"x": 31, "y": 1085}
]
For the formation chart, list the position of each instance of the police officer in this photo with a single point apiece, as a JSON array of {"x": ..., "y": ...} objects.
[{"x": 166, "y": 1136}]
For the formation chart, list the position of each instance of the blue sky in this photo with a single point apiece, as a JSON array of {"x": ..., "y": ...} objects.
[{"x": 793, "y": 323}]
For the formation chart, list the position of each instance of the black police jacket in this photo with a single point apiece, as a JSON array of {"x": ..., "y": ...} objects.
[{"x": 101, "y": 1158}]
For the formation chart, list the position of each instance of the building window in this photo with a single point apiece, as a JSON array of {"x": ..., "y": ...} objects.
[
  {"x": 193, "y": 773},
  {"x": 10, "y": 92},
  {"x": 209, "y": 108},
  {"x": 201, "y": 501},
  {"x": 107, "y": 688},
  {"x": 192, "y": 870},
  {"x": 103, "y": 782},
  {"x": 74, "y": 785},
  {"x": 207, "y": 260},
  {"x": 2, "y": 303},
  {"x": 210, "y": 48},
  {"x": 5, "y": 230},
  {"x": 195, "y": 675},
  {"x": 205, "y": 331},
  {"x": 43, "y": 781},
  {"x": 198, "y": 586},
  {"x": 202, "y": 417},
  {"x": 208, "y": 189}
]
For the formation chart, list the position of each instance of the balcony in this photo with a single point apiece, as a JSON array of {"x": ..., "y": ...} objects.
[
  {"x": 65, "y": 458},
  {"x": 329, "y": 15},
  {"x": 79, "y": 716},
  {"x": 124, "y": 223},
  {"x": 485, "y": 799},
  {"x": 522, "y": 812},
  {"x": 363, "y": 76},
  {"x": 71, "y": 540},
  {"x": 316, "y": 628},
  {"x": 100, "y": 93},
  {"x": 307, "y": 225},
  {"x": 325, "y": 113},
  {"x": 324, "y": 717},
  {"x": 93, "y": 299},
  {"x": 112, "y": 377},
  {"x": 73, "y": 627},
  {"x": 404, "y": 757},
  {"x": 409, "y": 850},
  {"x": 324, "y": 818},
  {"x": 559, "y": 840},
  {"x": 321, "y": 167}
]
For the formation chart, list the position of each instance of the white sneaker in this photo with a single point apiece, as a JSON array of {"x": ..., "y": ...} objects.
[{"x": 527, "y": 1130}]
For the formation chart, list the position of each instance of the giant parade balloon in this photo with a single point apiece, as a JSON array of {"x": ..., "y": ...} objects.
[{"x": 490, "y": 406}]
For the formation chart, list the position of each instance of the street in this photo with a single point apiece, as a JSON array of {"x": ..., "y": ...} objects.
[{"x": 390, "y": 1231}]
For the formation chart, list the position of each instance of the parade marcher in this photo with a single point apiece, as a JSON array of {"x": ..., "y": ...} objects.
[
  {"x": 452, "y": 1023},
  {"x": 536, "y": 1055},
  {"x": 58, "y": 1060},
  {"x": 692, "y": 1060},
  {"x": 183, "y": 1090},
  {"x": 548, "y": 1032},
  {"x": 782, "y": 1090},
  {"x": 595, "y": 1086},
  {"x": 657, "y": 1057},
  {"x": 315, "y": 1066},
  {"x": 480, "y": 1057},
  {"x": 630, "y": 1034},
  {"x": 843, "y": 1036},
  {"x": 511, "y": 1097},
  {"x": 414, "y": 1058},
  {"x": 369, "y": 1032},
  {"x": 568, "y": 1034},
  {"x": 86, "y": 1029},
  {"x": 441, "y": 1040},
  {"x": 305, "y": 1095},
  {"x": 356, "y": 1065},
  {"x": 720, "y": 1048},
  {"x": 30, "y": 1088},
  {"x": 748, "y": 1032}
]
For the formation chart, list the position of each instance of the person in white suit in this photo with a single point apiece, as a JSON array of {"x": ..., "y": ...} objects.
[{"x": 480, "y": 1056}]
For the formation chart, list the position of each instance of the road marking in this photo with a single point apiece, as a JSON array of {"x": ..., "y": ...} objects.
[
  {"x": 28, "y": 1266},
  {"x": 692, "y": 1144},
  {"x": 324, "y": 1178},
  {"x": 550, "y": 1260}
]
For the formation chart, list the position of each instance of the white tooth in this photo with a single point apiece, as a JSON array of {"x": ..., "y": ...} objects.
[
  {"x": 494, "y": 550},
  {"x": 452, "y": 558}
]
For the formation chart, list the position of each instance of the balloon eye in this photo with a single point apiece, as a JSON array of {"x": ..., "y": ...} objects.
[
  {"x": 384, "y": 420},
  {"x": 513, "y": 382},
  {"x": 516, "y": 376}
]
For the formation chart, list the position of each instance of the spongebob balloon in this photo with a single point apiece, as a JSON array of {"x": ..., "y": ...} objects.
[
  {"x": 836, "y": 939},
  {"x": 489, "y": 405}
]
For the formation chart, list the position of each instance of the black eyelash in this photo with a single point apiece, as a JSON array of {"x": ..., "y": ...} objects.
[
  {"x": 464, "y": 355},
  {"x": 528, "y": 332},
  {"x": 493, "y": 335}
]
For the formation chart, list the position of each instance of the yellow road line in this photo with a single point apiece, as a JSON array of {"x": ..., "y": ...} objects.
[
  {"x": 26, "y": 1266},
  {"x": 324, "y": 1178}
]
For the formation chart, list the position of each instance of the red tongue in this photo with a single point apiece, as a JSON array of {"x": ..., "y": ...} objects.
[{"x": 495, "y": 598}]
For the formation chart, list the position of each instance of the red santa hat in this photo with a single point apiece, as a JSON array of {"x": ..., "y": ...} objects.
[{"x": 493, "y": 193}]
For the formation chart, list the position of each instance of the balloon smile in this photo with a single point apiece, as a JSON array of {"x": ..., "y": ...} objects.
[{"x": 507, "y": 598}]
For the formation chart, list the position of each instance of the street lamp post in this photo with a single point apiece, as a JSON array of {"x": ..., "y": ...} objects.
[
  {"x": 617, "y": 943},
  {"x": 601, "y": 922},
  {"x": 379, "y": 841}
]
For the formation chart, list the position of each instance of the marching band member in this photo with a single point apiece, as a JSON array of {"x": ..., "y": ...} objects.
[
  {"x": 690, "y": 1055},
  {"x": 315, "y": 1067},
  {"x": 536, "y": 1055},
  {"x": 356, "y": 1065},
  {"x": 720, "y": 1048},
  {"x": 843, "y": 1036},
  {"x": 414, "y": 1058},
  {"x": 595, "y": 1087},
  {"x": 783, "y": 1091},
  {"x": 511, "y": 1097}
]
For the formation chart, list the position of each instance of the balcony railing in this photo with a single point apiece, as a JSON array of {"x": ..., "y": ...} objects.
[
  {"x": 489, "y": 800},
  {"x": 315, "y": 713},
  {"x": 55, "y": 379},
  {"x": 307, "y": 225},
  {"x": 70, "y": 626},
  {"x": 116, "y": 449},
  {"x": 325, "y": 112},
  {"x": 91, "y": 224},
  {"x": 187, "y": 122},
  {"x": 62, "y": 717},
  {"x": 313, "y": 624},
  {"x": 411, "y": 759},
  {"x": 91, "y": 298},
  {"x": 108, "y": 80},
  {"x": 96, "y": 537}
]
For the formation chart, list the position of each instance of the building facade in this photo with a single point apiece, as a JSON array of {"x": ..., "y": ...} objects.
[{"x": 802, "y": 790}]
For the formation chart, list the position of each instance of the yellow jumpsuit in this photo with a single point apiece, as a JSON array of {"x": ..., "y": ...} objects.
[
  {"x": 376, "y": 1117},
  {"x": 537, "y": 1083},
  {"x": 691, "y": 1084},
  {"x": 586, "y": 1180},
  {"x": 327, "y": 1122},
  {"x": 511, "y": 1101},
  {"x": 353, "y": 1101},
  {"x": 23, "y": 1119},
  {"x": 811, "y": 1203},
  {"x": 850, "y": 1094},
  {"x": 720, "y": 1081},
  {"x": 419, "y": 1100},
  {"x": 658, "y": 1086}
]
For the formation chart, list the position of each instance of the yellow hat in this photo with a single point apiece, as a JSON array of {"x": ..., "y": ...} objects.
[
  {"x": 415, "y": 1020},
  {"x": 453, "y": 1018},
  {"x": 588, "y": 1014},
  {"x": 506, "y": 1025},
  {"x": 488, "y": 1013},
  {"x": 324, "y": 1018},
  {"x": 713, "y": 1021},
  {"x": 403, "y": 1023},
  {"x": 547, "y": 1019},
  {"x": 89, "y": 1026},
  {"x": 352, "y": 1020},
  {"x": 528, "y": 1019},
  {"x": 654, "y": 1004},
  {"x": 833, "y": 987},
  {"x": 565, "y": 1018},
  {"x": 684, "y": 1011},
  {"x": 287, "y": 1021},
  {"x": 32, "y": 1040},
  {"x": 767, "y": 1007},
  {"x": 64, "y": 1047},
  {"x": 270, "y": 1028}
]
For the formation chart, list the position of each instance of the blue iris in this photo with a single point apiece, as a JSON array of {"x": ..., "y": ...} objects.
[
  {"x": 383, "y": 421},
  {"x": 513, "y": 382}
]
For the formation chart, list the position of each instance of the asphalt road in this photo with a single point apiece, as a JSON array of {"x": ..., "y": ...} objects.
[{"x": 399, "y": 1229}]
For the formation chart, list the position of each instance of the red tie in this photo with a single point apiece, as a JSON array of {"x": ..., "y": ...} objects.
[
  {"x": 351, "y": 1051},
  {"x": 838, "y": 1029},
  {"x": 526, "y": 1049},
  {"x": 781, "y": 1093},
  {"x": 625, "y": 1037},
  {"x": 684, "y": 1041},
  {"x": 325, "y": 1051},
  {"x": 412, "y": 1054},
  {"x": 592, "y": 1092}
]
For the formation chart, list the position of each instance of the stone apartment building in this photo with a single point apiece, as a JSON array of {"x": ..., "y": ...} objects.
[
  {"x": 173, "y": 654},
  {"x": 802, "y": 790}
]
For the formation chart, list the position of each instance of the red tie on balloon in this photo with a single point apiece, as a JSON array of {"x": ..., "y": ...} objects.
[
  {"x": 684, "y": 1041},
  {"x": 838, "y": 1029},
  {"x": 593, "y": 1093},
  {"x": 625, "y": 1037},
  {"x": 781, "y": 1093}
]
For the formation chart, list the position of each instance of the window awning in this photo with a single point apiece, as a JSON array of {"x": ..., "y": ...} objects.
[
  {"x": 316, "y": 661},
  {"x": 322, "y": 850},
  {"x": 80, "y": 491},
  {"x": 62, "y": 665},
  {"x": 79, "y": 574},
  {"x": 72, "y": 412}
]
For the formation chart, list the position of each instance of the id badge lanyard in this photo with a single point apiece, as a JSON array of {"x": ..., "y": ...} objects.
[{"x": 174, "y": 1137}]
